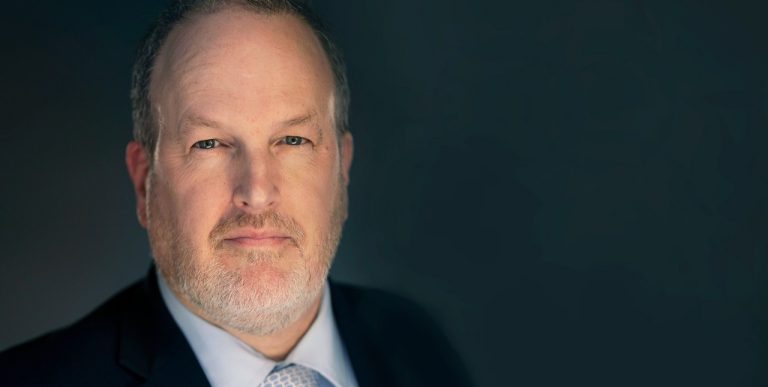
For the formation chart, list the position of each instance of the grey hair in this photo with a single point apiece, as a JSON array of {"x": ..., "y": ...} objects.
[{"x": 145, "y": 125}]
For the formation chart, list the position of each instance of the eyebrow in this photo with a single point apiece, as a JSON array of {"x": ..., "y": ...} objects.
[
  {"x": 309, "y": 118},
  {"x": 300, "y": 120},
  {"x": 197, "y": 121}
]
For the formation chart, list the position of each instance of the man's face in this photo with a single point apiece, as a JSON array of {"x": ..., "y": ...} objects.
[{"x": 246, "y": 194}]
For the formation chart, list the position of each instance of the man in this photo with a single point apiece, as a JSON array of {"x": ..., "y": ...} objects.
[{"x": 240, "y": 165}]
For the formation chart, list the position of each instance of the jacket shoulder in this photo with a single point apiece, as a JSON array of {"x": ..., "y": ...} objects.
[
  {"x": 81, "y": 354},
  {"x": 382, "y": 311},
  {"x": 405, "y": 344}
]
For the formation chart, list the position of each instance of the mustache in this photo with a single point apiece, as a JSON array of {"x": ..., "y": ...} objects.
[{"x": 267, "y": 219}]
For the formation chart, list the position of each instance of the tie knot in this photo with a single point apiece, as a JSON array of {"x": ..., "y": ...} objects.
[{"x": 291, "y": 375}]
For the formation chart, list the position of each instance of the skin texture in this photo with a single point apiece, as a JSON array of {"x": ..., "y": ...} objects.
[{"x": 244, "y": 197}]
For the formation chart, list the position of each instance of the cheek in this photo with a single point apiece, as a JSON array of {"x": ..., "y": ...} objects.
[
  {"x": 196, "y": 204},
  {"x": 312, "y": 200}
]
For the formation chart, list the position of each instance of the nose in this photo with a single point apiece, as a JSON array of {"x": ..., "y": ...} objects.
[{"x": 255, "y": 183}]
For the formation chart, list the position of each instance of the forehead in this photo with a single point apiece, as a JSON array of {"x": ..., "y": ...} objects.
[{"x": 235, "y": 50}]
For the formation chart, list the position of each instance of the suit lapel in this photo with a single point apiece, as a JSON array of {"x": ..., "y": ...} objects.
[
  {"x": 151, "y": 345},
  {"x": 369, "y": 360}
]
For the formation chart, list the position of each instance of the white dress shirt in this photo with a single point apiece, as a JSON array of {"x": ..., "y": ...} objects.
[{"x": 229, "y": 362}]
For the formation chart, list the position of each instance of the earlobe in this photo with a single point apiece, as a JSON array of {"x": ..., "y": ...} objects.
[
  {"x": 347, "y": 151},
  {"x": 137, "y": 161}
]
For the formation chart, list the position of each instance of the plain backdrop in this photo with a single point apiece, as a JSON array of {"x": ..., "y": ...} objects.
[{"x": 577, "y": 190}]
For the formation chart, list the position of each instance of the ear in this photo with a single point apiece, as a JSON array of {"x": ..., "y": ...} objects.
[
  {"x": 137, "y": 161},
  {"x": 347, "y": 150}
]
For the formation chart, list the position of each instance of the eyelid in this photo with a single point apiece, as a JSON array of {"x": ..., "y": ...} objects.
[
  {"x": 284, "y": 140},
  {"x": 197, "y": 144},
  {"x": 215, "y": 143}
]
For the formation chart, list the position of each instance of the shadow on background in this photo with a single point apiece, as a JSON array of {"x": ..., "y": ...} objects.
[{"x": 576, "y": 189}]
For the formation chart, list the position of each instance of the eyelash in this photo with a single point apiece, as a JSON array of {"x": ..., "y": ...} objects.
[
  {"x": 213, "y": 143},
  {"x": 301, "y": 140},
  {"x": 206, "y": 144}
]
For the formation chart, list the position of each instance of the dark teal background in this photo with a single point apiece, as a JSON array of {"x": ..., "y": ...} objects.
[{"x": 576, "y": 189}]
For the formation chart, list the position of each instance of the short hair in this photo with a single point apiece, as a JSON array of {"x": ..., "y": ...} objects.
[{"x": 145, "y": 125}]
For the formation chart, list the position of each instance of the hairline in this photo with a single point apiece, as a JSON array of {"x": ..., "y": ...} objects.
[{"x": 147, "y": 125}]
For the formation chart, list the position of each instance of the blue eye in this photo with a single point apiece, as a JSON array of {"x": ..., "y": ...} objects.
[
  {"x": 206, "y": 144},
  {"x": 294, "y": 140}
]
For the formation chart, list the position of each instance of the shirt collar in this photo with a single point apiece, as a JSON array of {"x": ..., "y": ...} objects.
[
  {"x": 228, "y": 361},
  {"x": 321, "y": 348}
]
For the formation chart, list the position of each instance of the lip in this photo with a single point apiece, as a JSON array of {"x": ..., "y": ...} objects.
[{"x": 257, "y": 238}]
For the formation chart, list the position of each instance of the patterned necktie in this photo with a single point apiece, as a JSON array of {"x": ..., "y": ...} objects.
[{"x": 291, "y": 375}]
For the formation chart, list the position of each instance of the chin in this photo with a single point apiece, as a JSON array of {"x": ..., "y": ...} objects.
[
  {"x": 256, "y": 291},
  {"x": 263, "y": 303},
  {"x": 251, "y": 291},
  {"x": 269, "y": 286}
]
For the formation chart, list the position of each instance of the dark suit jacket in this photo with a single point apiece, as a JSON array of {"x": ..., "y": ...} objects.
[{"x": 133, "y": 340}]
